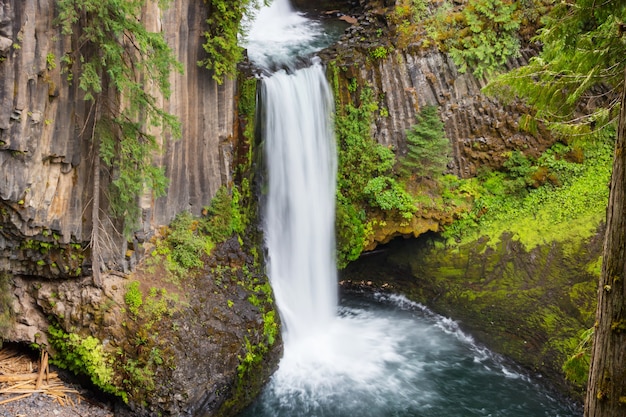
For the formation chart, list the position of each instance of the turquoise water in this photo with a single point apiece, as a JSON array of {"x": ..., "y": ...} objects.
[{"x": 386, "y": 356}]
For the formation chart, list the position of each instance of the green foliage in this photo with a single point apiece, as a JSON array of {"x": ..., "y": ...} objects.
[
  {"x": 569, "y": 206},
  {"x": 130, "y": 152},
  {"x": 387, "y": 194},
  {"x": 428, "y": 148},
  {"x": 86, "y": 356},
  {"x": 487, "y": 36},
  {"x": 270, "y": 327},
  {"x": 222, "y": 37},
  {"x": 133, "y": 297},
  {"x": 576, "y": 367},
  {"x": 182, "y": 246},
  {"x": 480, "y": 35},
  {"x": 117, "y": 54},
  {"x": 247, "y": 109},
  {"x": 364, "y": 167},
  {"x": 51, "y": 61},
  {"x": 188, "y": 239},
  {"x": 186, "y": 243},
  {"x": 380, "y": 52},
  {"x": 225, "y": 215},
  {"x": 581, "y": 60}
]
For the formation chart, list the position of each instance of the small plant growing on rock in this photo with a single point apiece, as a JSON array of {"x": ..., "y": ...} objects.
[
  {"x": 84, "y": 355},
  {"x": 133, "y": 298}
]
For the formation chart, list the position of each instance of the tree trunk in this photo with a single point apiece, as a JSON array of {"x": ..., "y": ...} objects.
[
  {"x": 606, "y": 391},
  {"x": 95, "y": 207}
]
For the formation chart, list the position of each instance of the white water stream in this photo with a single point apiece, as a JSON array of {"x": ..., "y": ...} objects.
[
  {"x": 300, "y": 212},
  {"x": 379, "y": 358}
]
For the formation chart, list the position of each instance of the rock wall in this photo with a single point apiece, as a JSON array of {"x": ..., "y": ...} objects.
[
  {"x": 46, "y": 154},
  {"x": 480, "y": 128}
]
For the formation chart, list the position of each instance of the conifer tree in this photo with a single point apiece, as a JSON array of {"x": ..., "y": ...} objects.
[
  {"x": 115, "y": 58},
  {"x": 428, "y": 148}
]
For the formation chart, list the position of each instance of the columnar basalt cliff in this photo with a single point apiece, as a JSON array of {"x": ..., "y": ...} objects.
[
  {"x": 46, "y": 127},
  {"x": 180, "y": 351},
  {"x": 406, "y": 79}
]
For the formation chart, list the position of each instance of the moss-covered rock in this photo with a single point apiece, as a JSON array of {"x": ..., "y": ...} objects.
[{"x": 531, "y": 306}]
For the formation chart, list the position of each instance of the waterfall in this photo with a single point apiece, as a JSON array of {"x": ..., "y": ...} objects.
[
  {"x": 366, "y": 359},
  {"x": 300, "y": 210}
]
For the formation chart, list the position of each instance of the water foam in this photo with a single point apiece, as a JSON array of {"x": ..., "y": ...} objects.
[{"x": 278, "y": 35}]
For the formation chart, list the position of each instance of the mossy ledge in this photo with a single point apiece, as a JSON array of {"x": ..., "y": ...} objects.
[{"x": 530, "y": 305}]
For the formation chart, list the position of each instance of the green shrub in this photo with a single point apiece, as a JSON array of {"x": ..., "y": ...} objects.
[
  {"x": 86, "y": 356},
  {"x": 576, "y": 367},
  {"x": 380, "y": 52},
  {"x": 387, "y": 194},
  {"x": 487, "y": 36},
  {"x": 221, "y": 40},
  {"x": 220, "y": 216},
  {"x": 360, "y": 159},
  {"x": 187, "y": 245}
]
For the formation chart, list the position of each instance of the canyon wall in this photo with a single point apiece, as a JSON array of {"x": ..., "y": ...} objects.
[
  {"x": 405, "y": 78},
  {"x": 46, "y": 147}
]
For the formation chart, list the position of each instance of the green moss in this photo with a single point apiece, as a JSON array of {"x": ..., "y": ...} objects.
[
  {"x": 6, "y": 304},
  {"x": 530, "y": 305},
  {"x": 569, "y": 212}
]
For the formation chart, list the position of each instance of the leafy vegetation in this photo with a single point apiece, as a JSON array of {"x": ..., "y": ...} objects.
[
  {"x": 372, "y": 187},
  {"x": 133, "y": 298},
  {"x": 86, "y": 356},
  {"x": 118, "y": 54},
  {"x": 188, "y": 239},
  {"x": 580, "y": 61},
  {"x": 487, "y": 35},
  {"x": 6, "y": 301},
  {"x": 480, "y": 35},
  {"x": 576, "y": 367},
  {"x": 365, "y": 177},
  {"x": 222, "y": 37},
  {"x": 555, "y": 197},
  {"x": 576, "y": 85}
]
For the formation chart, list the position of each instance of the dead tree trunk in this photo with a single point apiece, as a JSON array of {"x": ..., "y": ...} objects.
[{"x": 95, "y": 207}]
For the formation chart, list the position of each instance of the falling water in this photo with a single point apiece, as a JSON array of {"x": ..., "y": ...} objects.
[{"x": 300, "y": 214}]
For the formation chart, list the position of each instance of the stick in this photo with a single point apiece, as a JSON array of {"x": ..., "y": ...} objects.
[
  {"x": 23, "y": 377},
  {"x": 43, "y": 365},
  {"x": 19, "y": 397}
]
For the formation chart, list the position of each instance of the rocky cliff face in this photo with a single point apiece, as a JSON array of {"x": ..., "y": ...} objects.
[
  {"x": 46, "y": 150},
  {"x": 179, "y": 352},
  {"x": 405, "y": 79}
]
